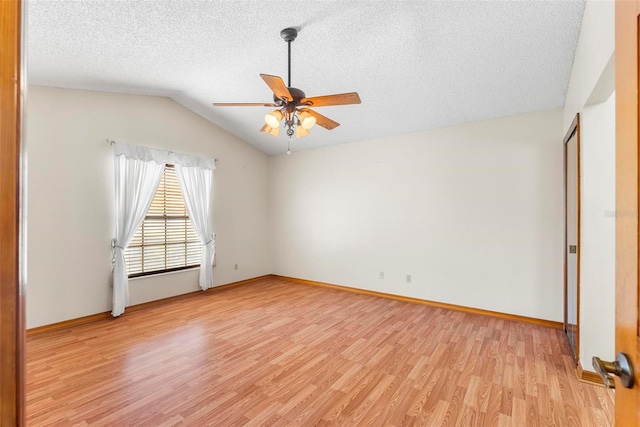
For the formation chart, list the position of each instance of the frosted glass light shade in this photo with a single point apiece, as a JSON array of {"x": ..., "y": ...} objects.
[
  {"x": 307, "y": 121},
  {"x": 273, "y": 118},
  {"x": 273, "y": 131},
  {"x": 301, "y": 132}
]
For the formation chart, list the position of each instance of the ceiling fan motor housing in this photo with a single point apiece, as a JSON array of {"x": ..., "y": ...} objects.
[{"x": 296, "y": 94}]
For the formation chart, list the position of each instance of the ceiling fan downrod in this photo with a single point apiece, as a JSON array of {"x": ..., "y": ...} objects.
[
  {"x": 289, "y": 64},
  {"x": 289, "y": 35}
]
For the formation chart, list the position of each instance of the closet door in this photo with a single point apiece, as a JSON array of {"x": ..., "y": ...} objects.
[{"x": 572, "y": 237}]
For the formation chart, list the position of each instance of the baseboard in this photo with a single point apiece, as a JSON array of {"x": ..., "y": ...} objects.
[
  {"x": 506, "y": 316},
  {"x": 69, "y": 323},
  {"x": 137, "y": 307},
  {"x": 589, "y": 377}
]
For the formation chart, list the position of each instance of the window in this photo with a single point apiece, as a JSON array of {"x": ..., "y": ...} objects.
[{"x": 166, "y": 240}]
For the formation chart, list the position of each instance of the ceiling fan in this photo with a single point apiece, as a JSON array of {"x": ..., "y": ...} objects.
[{"x": 293, "y": 106}]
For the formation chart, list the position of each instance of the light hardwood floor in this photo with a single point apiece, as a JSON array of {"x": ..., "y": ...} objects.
[{"x": 274, "y": 352}]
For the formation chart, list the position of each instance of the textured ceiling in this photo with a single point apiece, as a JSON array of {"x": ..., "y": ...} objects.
[{"x": 415, "y": 64}]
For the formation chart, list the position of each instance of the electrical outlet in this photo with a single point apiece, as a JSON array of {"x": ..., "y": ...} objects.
[
  {"x": 408, "y": 278},
  {"x": 235, "y": 266},
  {"x": 382, "y": 275}
]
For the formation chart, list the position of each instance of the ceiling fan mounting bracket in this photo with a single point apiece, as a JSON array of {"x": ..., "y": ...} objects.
[{"x": 289, "y": 34}]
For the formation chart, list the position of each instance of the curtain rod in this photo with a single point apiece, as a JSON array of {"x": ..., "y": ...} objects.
[{"x": 111, "y": 141}]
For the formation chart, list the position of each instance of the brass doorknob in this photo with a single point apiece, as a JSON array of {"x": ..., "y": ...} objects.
[{"x": 622, "y": 368}]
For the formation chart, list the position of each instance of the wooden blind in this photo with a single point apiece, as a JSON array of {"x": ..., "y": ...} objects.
[{"x": 166, "y": 240}]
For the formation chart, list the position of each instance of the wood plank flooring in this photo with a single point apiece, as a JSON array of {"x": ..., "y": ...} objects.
[{"x": 277, "y": 353}]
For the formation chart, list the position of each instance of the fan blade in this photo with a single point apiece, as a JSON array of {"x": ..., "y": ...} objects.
[
  {"x": 321, "y": 120},
  {"x": 277, "y": 86},
  {"x": 244, "y": 104},
  {"x": 338, "y": 99}
]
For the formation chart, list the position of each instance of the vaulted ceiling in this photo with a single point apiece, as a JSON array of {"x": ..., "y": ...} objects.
[{"x": 416, "y": 64}]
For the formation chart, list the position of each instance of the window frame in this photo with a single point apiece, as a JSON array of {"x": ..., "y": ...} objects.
[{"x": 165, "y": 244}]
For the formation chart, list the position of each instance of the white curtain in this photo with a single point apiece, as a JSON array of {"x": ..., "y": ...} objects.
[
  {"x": 138, "y": 171},
  {"x": 195, "y": 176}
]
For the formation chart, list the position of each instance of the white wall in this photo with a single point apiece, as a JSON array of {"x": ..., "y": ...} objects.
[
  {"x": 71, "y": 197},
  {"x": 598, "y": 243},
  {"x": 473, "y": 212},
  {"x": 595, "y": 47},
  {"x": 592, "y": 77}
]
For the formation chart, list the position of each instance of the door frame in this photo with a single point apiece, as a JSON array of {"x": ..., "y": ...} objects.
[
  {"x": 12, "y": 326},
  {"x": 574, "y": 129}
]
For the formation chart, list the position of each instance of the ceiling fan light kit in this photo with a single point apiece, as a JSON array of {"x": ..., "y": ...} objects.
[
  {"x": 307, "y": 121},
  {"x": 273, "y": 119},
  {"x": 271, "y": 130},
  {"x": 293, "y": 110}
]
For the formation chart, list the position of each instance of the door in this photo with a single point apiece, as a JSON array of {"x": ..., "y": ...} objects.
[
  {"x": 572, "y": 236},
  {"x": 11, "y": 297},
  {"x": 627, "y": 412}
]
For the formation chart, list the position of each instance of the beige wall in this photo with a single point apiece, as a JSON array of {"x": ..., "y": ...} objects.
[
  {"x": 592, "y": 83},
  {"x": 474, "y": 213},
  {"x": 598, "y": 240},
  {"x": 71, "y": 197},
  {"x": 594, "y": 51}
]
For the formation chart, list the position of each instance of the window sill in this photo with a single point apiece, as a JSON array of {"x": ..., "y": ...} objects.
[{"x": 165, "y": 273}]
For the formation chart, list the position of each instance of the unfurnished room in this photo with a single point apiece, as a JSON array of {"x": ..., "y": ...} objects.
[{"x": 348, "y": 213}]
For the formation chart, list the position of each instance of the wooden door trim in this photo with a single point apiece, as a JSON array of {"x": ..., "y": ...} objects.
[
  {"x": 11, "y": 296},
  {"x": 574, "y": 129},
  {"x": 626, "y": 48}
]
